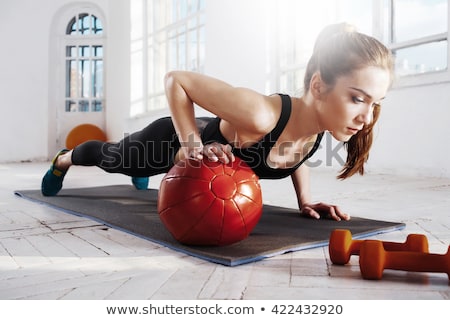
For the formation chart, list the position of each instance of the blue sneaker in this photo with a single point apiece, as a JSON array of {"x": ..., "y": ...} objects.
[
  {"x": 140, "y": 183},
  {"x": 53, "y": 178}
]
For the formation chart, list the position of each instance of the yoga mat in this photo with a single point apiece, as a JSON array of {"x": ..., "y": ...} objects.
[{"x": 279, "y": 230}]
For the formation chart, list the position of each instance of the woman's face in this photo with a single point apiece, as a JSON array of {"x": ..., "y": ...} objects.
[{"x": 348, "y": 106}]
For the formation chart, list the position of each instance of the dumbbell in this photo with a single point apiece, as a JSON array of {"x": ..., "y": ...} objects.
[
  {"x": 373, "y": 259},
  {"x": 342, "y": 246}
]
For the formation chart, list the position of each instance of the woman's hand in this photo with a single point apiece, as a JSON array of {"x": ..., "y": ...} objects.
[
  {"x": 215, "y": 152},
  {"x": 323, "y": 210}
]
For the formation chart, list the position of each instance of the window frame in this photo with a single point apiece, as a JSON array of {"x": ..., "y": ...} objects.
[
  {"x": 155, "y": 45},
  {"x": 385, "y": 31},
  {"x": 79, "y": 40}
]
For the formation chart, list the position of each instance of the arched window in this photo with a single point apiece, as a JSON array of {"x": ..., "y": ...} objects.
[{"x": 84, "y": 64}]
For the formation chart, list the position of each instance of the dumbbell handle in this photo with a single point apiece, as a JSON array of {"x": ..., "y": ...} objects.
[
  {"x": 418, "y": 261},
  {"x": 387, "y": 245},
  {"x": 342, "y": 246},
  {"x": 374, "y": 259}
]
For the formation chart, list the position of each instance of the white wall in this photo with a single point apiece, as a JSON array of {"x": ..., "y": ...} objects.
[
  {"x": 24, "y": 30},
  {"x": 117, "y": 68},
  {"x": 26, "y": 56},
  {"x": 413, "y": 131},
  {"x": 237, "y": 53}
]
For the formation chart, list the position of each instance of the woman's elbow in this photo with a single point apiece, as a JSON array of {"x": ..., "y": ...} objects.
[
  {"x": 170, "y": 79},
  {"x": 175, "y": 79}
]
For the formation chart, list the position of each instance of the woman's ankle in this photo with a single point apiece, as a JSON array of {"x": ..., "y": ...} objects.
[{"x": 64, "y": 161}]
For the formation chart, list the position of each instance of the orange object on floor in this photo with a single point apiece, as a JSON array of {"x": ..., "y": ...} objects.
[
  {"x": 82, "y": 133},
  {"x": 342, "y": 246},
  {"x": 373, "y": 259}
]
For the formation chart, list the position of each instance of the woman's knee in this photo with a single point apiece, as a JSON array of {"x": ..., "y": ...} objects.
[{"x": 90, "y": 153}]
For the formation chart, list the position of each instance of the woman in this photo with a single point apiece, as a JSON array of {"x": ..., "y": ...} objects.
[{"x": 347, "y": 76}]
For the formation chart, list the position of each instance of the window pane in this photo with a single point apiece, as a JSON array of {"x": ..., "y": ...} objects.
[
  {"x": 97, "y": 79},
  {"x": 85, "y": 71},
  {"x": 97, "y": 27},
  {"x": 291, "y": 81},
  {"x": 201, "y": 50},
  {"x": 83, "y": 106},
  {"x": 84, "y": 51},
  {"x": 420, "y": 59},
  {"x": 201, "y": 4},
  {"x": 193, "y": 48},
  {"x": 71, "y": 106},
  {"x": 182, "y": 52},
  {"x": 358, "y": 13},
  {"x": 175, "y": 42},
  {"x": 162, "y": 13},
  {"x": 173, "y": 53},
  {"x": 193, "y": 6},
  {"x": 97, "y": 106},
  {"x": 419, "y": 18},
  {"x": 192, "y": 23},
  {"x": 71, "y": 51},
  {"x": 84, "y": 23},
  {"x": 183, "y": 9},
  {"x": 98, "y": 51},
  {"x": 71, "y": 79},
  {"x": 72, "y": 27}
]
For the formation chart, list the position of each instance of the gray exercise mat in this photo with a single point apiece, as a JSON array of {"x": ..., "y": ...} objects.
[{"x": 279, "y": 230}]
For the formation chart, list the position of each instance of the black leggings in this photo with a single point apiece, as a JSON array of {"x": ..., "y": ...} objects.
[{"x": 145, "y": 153}]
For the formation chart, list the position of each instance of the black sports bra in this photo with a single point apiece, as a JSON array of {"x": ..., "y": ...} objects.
[{"x": 256, "y": 155}]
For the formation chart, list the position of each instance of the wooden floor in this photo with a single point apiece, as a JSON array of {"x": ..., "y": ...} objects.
[{"x": 48, "y": 254}]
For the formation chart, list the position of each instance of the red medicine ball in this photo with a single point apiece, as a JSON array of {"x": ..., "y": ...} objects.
[{"x": 210, "y": 203}]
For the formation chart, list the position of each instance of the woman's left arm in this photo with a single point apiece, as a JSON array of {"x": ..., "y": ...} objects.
[{"x": 300, "y": 179}]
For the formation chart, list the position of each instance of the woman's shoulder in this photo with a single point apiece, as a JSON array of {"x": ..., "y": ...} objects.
[{"x": 265, "y": 115}]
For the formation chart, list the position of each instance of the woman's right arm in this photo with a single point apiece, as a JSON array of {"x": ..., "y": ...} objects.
[
  {"x": 182, "y": 110},
  {"x": 245, "y": 110}
]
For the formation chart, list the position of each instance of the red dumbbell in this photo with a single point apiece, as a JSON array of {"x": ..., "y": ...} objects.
[
  {"x": 373, "y": 259},
  {"x": 342, "y": 246}
]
